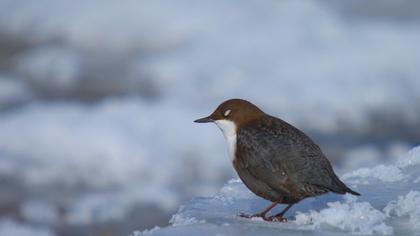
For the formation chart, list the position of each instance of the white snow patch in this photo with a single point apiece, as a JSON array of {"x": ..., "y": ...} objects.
[
  {"x": 411, "y": 159},
  {"x": 233, "y": 190},
  {"x": 145, "y": 232},
  {"x": 350, "y": 216},
  {"x": 179, "y": 220},
  {"x": 386, "y": 173},
  {"x": 408, "y": 205}
]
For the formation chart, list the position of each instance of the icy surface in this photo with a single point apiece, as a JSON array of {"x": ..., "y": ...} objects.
[{"x": 385, "y": 208}]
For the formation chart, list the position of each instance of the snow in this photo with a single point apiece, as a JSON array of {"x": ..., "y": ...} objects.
[
  {"x": 407, "y": 205},
  {"x": 350, "y": 216},
  {"x": 178, "y": 220},
  {"x": 385, "y": 173},
  {"x": 412, "y": 159},
  {"x": 145, "y": 232},
  {"x": 375, "y": 212}
]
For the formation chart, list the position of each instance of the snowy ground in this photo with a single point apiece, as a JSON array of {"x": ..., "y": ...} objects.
[
  {"x": 97, "y": 98},
  {"x": 389, "y": 205}
]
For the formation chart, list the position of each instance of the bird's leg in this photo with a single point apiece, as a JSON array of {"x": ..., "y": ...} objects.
[
  {"x": 279, "y": 217},
  {"x": 260, "y": 214}
]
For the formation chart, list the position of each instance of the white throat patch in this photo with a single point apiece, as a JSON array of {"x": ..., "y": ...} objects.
[{"x": 229, "y": 131}]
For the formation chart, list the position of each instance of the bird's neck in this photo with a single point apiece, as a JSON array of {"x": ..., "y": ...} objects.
[{"x": 229, "y": 131}]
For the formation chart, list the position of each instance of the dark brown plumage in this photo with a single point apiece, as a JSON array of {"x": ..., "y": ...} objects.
[{"x": 275, "y": 160}]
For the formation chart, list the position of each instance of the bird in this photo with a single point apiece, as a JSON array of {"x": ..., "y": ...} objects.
[{"x": 275, "y": 160}]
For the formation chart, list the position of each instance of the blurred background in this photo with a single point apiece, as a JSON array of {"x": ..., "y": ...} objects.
[{"x": 97, "y": 98}]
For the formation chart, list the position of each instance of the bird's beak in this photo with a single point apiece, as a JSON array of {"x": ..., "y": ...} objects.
[{"x": 204, "y": 120}]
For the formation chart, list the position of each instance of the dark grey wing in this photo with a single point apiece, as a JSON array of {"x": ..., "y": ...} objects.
[
  {"x": 256, "y": 156},
  {"x": 289, "y": 157},
  {"x": 310, "y": 166}
]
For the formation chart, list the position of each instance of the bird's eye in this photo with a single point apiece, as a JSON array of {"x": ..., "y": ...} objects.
[{"x": 227, "y": 112}]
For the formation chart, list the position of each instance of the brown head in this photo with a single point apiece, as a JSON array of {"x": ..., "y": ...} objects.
[{"x": 238, "y": 111}]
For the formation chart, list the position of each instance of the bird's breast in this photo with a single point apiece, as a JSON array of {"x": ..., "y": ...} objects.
[{"x": 229, "y": 131}]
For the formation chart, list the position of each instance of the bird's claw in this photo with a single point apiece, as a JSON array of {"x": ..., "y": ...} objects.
[
  {"x": 249, "y": 216},
  {"x": 266, "y": 218}
]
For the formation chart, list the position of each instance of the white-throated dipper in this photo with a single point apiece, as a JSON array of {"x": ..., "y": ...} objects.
[{"x": 274, "y": 159}]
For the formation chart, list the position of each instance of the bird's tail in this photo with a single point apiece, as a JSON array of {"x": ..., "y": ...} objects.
[
  {"x": 348, "y": 190},
  {"x": 342, "y": 187}
]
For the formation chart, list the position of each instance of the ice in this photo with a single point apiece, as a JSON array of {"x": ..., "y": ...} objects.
[
  {"x": 10, "y": 227},
  {"x": 385, "y": 208}
]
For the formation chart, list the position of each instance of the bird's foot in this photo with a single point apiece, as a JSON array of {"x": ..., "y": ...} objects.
[
  {"x": 249, "y": 216},
  {"x": 264, "y": 217}
]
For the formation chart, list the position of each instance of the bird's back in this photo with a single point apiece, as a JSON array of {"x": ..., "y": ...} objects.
[{"x": 284, "y": 158}]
